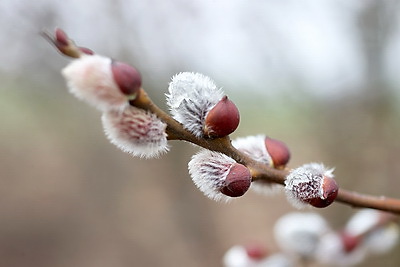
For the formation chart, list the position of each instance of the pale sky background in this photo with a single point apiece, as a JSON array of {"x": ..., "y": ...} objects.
[{"x": 260, "y": 45}]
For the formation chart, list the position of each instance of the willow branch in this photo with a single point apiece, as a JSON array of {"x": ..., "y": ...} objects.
[{"x": 259, "y": 171}]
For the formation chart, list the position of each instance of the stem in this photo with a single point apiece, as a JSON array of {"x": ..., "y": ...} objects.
[
  {"x": 259, "y": 171},
  {"x": 355, "y": 199}
]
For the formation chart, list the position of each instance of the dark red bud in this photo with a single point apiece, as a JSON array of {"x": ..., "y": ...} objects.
[
  {"x": 349, "y": 241},
  {"x": 237, "y": 181},
  {"x": 222, "y": 119},
  {"x": 278, "y": 151},
  {"x": 126, "y": 77},
  {"x": 330, "y": 191},
  {"x": 256, "y": 251}
]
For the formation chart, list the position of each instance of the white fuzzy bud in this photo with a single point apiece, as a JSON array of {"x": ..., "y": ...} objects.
[
  {"x": 254, "y": 146},
  {"x": 190, "y": 97},
  {"x": 298, "y": 234},
  {"x": 377, "y": 238},
  {"x": 238, "y": 256},
  {"x": 383, "y": 239},
  {"x": 218, "y": 176},
  {"x": 368, "y": 231},
  {"x": 311, "y": 183},
  {"x": 362, "y": 221},
  {"x": 90, "y": 78},
  {"x": 136, "y": 131},
  {"x": 278, "y": 260},
  {"x": 332, "y": 252}
]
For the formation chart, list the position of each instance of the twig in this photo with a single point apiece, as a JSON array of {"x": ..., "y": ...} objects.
[{"x": 259, "y": 171}]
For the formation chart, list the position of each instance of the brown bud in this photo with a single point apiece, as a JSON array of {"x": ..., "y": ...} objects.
[
  {"x": 237, "y": 181},
  {"x": 126, "y": 77},
  {"x": 278, "y": 151},
  {"x": 222, "y": 119},
  {"x": 329, "y": 193}
]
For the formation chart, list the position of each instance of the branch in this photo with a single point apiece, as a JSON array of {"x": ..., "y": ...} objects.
[
  {"x": 258, "y": 171},
  {"x": 129, "y": 81}
]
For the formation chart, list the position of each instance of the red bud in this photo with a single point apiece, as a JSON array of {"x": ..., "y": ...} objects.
[
  {"x": 126, "y": 77},
  {"x": 256, "y": 251},
  {"x": 61, "y": 37},
  {"x": 63, "y": 44},
  {"x": 86, "y": 51},
  {"x": 278, "y": 151},
  {"x": 330, "y": 191},
  {"x": 349, "y": 241},
  {"x": 237, "y": 181},
  {"x": 222, "y": 119}
]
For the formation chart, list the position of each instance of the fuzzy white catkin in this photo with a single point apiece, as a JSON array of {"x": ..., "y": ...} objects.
[
  {"x": 136, "y": 131},
  {"x": 381, "y": 239},
  {"x": 362, "y": 221},
  {"x": 254, "y": 146},
  {"x": 237, "y": 256},
  {"x": 298, "y": 234},
  {"x": 190, "y": 97},
  {"x": 331, "y": 252},
  {"x": 278, "y": 260},
  {"x": 208, "y": 170},
  {"x": 305, "y": 182},
  {"x": 90, "y": 79}
]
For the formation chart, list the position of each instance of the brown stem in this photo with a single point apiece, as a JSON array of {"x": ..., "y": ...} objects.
[
  {"x": 259, "y": 171},
  {"x": 355, "y": 199}
]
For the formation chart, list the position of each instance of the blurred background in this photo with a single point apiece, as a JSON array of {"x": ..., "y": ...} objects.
[{"x": 320, "y": 75}]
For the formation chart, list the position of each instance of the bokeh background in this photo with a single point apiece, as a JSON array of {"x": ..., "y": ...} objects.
[{"x": 320, "y": 75}]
